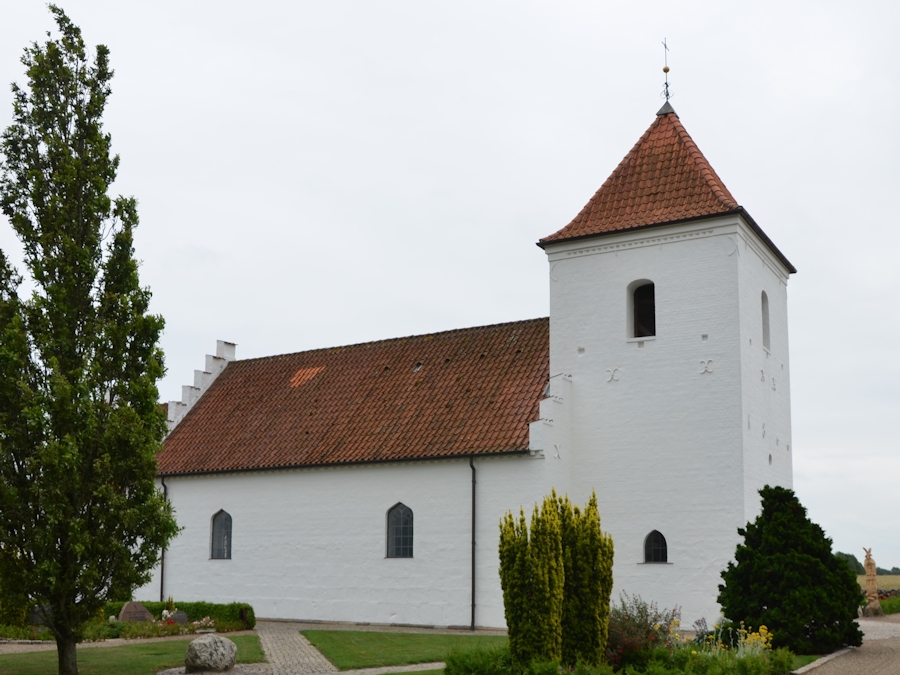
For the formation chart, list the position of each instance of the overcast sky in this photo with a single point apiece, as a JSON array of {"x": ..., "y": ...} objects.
[{"x": 312, "y": 174}]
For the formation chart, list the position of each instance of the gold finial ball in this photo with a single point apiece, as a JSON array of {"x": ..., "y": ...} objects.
[{"x": 665, "y": 69}]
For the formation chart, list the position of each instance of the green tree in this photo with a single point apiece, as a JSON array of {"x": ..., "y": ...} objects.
[
  {"x": 587, "y": 562},
  {"x": 852, "y": 562},
  {"x": 786, "y": 578},
  {"x": 81, "y": 521}
]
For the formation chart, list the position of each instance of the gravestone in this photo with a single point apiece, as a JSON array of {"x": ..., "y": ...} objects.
[
  {"x": 180, "y": 617},
  {"x": 135, "y": 612}
]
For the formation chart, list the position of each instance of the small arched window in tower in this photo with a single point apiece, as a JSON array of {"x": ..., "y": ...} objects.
[
  {"x": 644, "y": 310},
  {"x": 655, "y": 549},
  {"x": 221, "y": 536},
  {"x": 400, "y": 532},
  {"x": 765, "y": 321}
]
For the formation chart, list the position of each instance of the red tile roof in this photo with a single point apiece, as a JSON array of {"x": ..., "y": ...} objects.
[
  {"x": 664, "y": 178},
  {"x": 458, "y": 393}
]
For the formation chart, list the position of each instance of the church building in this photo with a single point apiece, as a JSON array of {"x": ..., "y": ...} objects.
[{"x": 366, "y": 483}]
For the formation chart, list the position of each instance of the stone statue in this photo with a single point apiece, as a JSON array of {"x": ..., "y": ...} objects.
[{"x": 874, "y": 607}]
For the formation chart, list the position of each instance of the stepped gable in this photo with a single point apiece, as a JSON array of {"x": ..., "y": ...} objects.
[
  {"x": 663, "y": 179},
  {"x": 453, "y": 394}
]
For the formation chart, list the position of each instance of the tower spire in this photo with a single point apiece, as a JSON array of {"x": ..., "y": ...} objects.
[{"x": 667, "y": 107}]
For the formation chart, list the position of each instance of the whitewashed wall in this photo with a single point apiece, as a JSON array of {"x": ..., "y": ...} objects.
[
  {"x": 311, "y": 544},
  {"x": 766, "y": 373},
  {"x": 656, "y": 425},
  {"x": 667, "y": 430}
]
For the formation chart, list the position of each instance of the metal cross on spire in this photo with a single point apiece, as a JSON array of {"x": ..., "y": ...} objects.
[{"x": 665, "y": 91}]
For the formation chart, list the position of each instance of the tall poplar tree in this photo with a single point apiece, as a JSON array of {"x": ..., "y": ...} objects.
[{"x": 81, "y": 521}]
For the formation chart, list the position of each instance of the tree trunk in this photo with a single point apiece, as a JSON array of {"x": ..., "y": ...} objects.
[{"x": 68, "y": 661}]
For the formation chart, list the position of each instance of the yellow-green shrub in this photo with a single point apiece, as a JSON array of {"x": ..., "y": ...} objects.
[{"x": 556, "y": 583}]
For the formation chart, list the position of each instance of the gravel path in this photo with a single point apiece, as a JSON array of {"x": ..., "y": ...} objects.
[{"x": 879, "y": 654}]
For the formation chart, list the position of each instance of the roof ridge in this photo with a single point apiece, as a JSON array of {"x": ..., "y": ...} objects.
[
  {"x": 393, "y": 339},
  {"x": 722, "y": 193}
]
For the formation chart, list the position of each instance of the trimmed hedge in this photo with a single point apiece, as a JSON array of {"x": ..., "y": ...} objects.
[{"x": 232, "y": 613}]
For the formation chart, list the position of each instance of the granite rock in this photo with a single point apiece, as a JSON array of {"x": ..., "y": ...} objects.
[{"x": 210, "y": 654}]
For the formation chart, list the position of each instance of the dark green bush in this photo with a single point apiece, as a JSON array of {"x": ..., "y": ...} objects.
[
  {"x": 787, "y": 578},
  {"x": 232, "y": 616}
]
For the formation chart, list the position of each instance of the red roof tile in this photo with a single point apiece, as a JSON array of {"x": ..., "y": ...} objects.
[
  {"x": 458, "y": 393},
  {"x": 664, "y": 178}
]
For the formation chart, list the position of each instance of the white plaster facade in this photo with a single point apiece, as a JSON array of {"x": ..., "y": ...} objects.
[
  {"x": 654, "y": 424},
  {"x": 675, "y": 432}
]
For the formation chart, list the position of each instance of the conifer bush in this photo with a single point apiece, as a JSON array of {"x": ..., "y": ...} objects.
[
  {"x": 531, "y": 576},
  {"x": 587, "y": 564},
  {"x": 786, "y": 578},
  {"x": 556, "y": 583}
]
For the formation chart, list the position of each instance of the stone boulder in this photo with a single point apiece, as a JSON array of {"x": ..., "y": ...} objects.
[{"x": 210, "y": 654}]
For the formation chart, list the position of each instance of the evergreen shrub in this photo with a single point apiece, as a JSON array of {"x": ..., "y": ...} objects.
[
  {"x": 531, "y": 576},
  {"x": 231, "y": 616},
  {"x": 556, "y": 583},
  {"x": 786, "y": 577}
]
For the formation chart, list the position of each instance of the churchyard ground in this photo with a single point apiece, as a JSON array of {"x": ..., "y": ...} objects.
[
  {"x": 367, "y": 649},
  {"x": 139, "y": 659}
]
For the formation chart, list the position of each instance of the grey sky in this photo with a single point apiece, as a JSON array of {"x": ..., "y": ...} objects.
[{"x": 312, "y": 174}]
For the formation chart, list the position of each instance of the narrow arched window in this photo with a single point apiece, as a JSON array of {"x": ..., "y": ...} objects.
[
  {"x": 221, "y": 536},
  {"x": 643, "y": 306},
  {"x": 765, "y": 321},
  {"x": 400, "y": 532},
  {"x": 655, "y": 549}
]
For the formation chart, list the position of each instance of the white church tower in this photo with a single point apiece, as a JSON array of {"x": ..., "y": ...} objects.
[{"x": 670, "y": 389}]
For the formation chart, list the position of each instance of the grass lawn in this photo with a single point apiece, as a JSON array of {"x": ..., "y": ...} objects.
[
  {"x": 363, "y": 649},
  {"x": 801, "y": 660},
  {"x": 140, "y": 659}
]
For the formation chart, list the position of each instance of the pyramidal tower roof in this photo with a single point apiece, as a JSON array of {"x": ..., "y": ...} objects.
[{"x": 663, "y": 179}]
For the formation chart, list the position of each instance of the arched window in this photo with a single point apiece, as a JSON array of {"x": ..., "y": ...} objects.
[
  {"x": 765, "y": 321},
  {"x": 221, "y": 536},
  {"x": 400, "y": 532},
  {"x": 642, "y": 309},
  {"x": 655, "y": 549}
]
